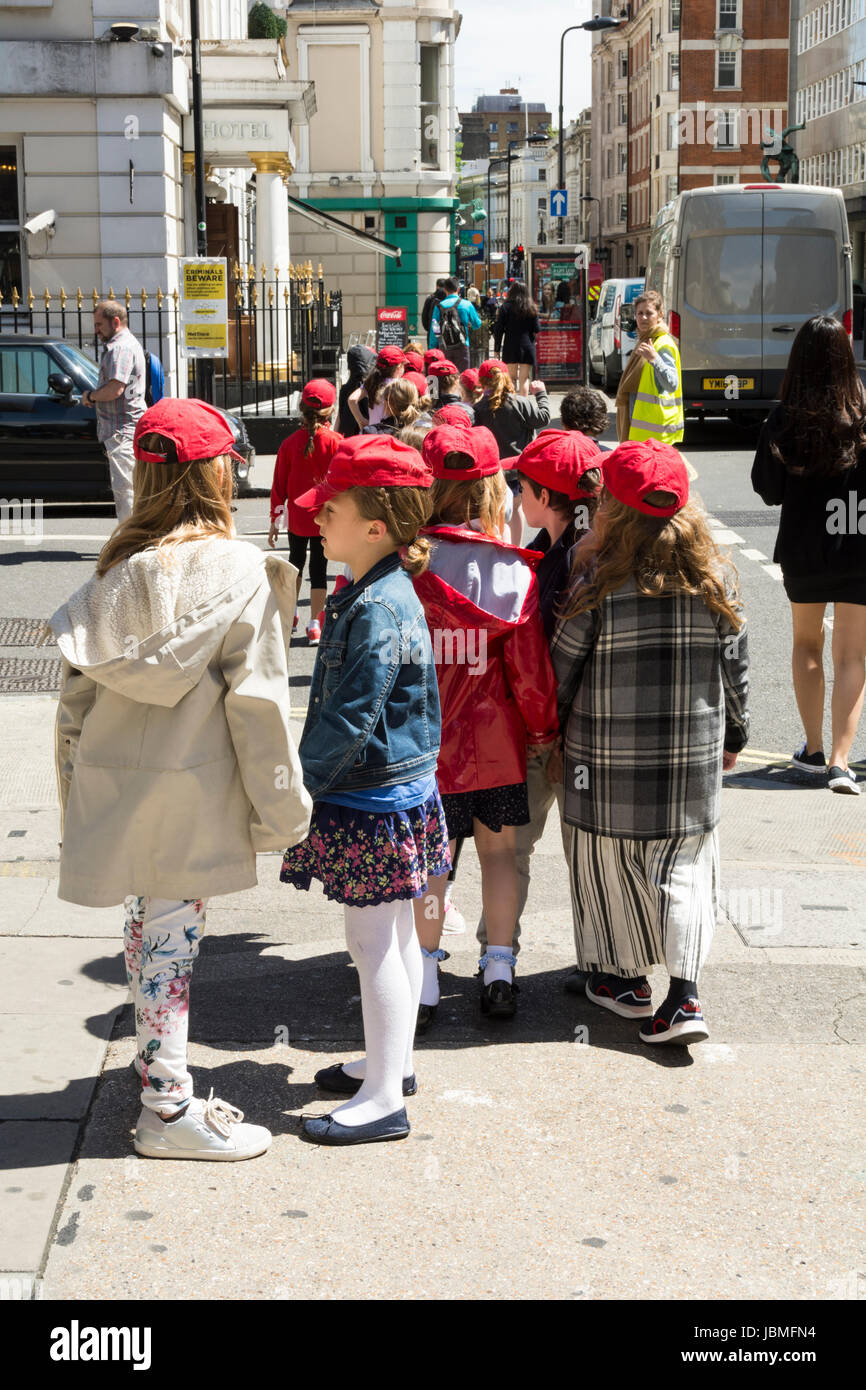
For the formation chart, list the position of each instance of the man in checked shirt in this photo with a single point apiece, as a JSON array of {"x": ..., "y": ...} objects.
[{"x": 118, "y": 397}]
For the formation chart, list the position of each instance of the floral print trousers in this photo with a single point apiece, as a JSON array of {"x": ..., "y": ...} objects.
[{"x": 161, "y": 940}]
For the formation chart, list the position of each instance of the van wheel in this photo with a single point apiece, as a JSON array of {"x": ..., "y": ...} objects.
[
  {"x": 609, "y": 381},
  {"x": 594, "y": 376}
]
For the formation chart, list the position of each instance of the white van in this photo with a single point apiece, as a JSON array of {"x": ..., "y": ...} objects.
[
  {"x": 740, "y": 267},
  {"x": 613, "y": 333}
]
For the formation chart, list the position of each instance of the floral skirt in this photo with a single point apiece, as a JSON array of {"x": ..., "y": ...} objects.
[{"x": 363, "y": 858}]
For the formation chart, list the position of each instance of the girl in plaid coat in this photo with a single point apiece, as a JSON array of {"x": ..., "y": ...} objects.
[{"x": 652, "y": 667}]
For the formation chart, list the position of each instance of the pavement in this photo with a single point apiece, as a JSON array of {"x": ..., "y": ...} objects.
[{"x": 554, "y": 1157}]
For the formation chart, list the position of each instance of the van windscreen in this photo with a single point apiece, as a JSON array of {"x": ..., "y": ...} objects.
[
  {"x": 801, "y": 273},
  {"x": 723, "y": 274}
]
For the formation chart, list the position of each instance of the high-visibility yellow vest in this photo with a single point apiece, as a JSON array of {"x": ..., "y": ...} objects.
[{"x": 658, "y": 415}]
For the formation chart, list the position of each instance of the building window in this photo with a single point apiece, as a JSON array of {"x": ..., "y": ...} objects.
[
  {"x": 494, "y": 146},
  {"x": 726, "y": 70},
  {"x": 720, "y": 179},
  {"x": 10, "y": 223},
  {"x": 623, "y": 210},
  {"x": 609, "y": 163},
  {"x": 622, "y": 157},
  {"x": 728, "y": 14},
  {"x": 673, "y": 72},
  {"x": 673, "y": 129},
  {"x": 674, "y": 14},
  {"x": 512, "y": 127},
  {"x": 542, "y": 174},
  {"x": 429, "y": 106},
  {"x": 623, "y": 63},
  {"x": 726, "y": 130},
  {"x": 494, "y": 127},
  {"x": 672, "y": 187},
  {"x": 607, "y": 119}
]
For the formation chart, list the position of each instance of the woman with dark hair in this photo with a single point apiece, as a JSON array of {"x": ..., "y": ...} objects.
[
  {"x": 811, "y": 459},
  {"x": 517, "y": 324}
]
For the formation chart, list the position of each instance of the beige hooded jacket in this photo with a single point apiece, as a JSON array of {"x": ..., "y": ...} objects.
[{"x": 175, "y": 763}]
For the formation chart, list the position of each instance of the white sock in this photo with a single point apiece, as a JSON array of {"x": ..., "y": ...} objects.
[
  {"x": 374, "y": 937},
  {"x": 410, "y": 950},
  {"x": 430, "y": 985},
  {"x": 448, "y": 887},
  {"x": 498, "y": 967}
]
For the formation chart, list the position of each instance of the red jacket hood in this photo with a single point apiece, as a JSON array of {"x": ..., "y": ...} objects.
[{"x": 478, "y": 581}]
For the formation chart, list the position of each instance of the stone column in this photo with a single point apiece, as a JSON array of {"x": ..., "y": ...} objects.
[{"x": 272, "y": 251}]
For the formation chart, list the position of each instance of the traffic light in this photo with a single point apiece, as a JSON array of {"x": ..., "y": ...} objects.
[{"x": 518, "y": 255}]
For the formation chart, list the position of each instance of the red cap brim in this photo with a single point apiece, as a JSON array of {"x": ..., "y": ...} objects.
[{"x": 314, "y": 500}]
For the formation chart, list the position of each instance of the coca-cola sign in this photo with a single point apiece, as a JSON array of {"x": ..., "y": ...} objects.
[{"x": 392, "y": 325}]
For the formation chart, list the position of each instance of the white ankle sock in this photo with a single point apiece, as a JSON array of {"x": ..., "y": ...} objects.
[
  {"x": 376, "y": 937},
  {"x": 430, "y": 986},
  {"x": 497, "y": 967}
]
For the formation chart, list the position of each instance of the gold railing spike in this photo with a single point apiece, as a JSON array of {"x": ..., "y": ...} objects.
[
  {"x": 270, "y": 296},
  {"x": 276, "y": 272},
  {"x": 46, "y": 295},
  {"x": 321, "y": 271},
  {"x": 286, "y": 294},
  {"x": 95, "y": 294},
  {"x": 264, "y": 271},
  {"x": 79, "y": 297},
  {"x": 175, "y": 296},
  {"x": 236, "y": 270},
  {"x": 143, "y": 297},
  {"x": 63, "y": 299},
  {"x": 251, "y": 271},
  {"x": 15, "y": 296},
  {"x": 239, "y": 295},
  {"x": 30, "y": 299},
  {"x": 159, "y": 298},
  {"x": 110, "y": 291},
  {"x": 255, "y": 293},
  {"x": 291, "y": 270},
  {"x": 128, "y": 297}
]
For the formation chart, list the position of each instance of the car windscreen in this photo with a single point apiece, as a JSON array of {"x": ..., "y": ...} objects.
[{"x": 85, "y": 365}]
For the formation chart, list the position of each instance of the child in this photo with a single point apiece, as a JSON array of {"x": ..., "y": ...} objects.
[
  {"x": 652, "y": 664},
  {"x": 414, "y": 359},
  {"x": 360, "y": 362},
  {"x": 401, "y": 405},
  {"x": 513, "y": 420},
  {"x": 469, "y": 386},
  {"x": 173, "y": 714},
  {"x": 497, "y": 690},
  {"x": 366, "y": 402},
  {"x": 560, "y": 483},
  {"x": 302, "y": 461},
  {"x": 369, "y": 751},
  {"x": 585, "y": 410},
  {"x": 447, "y": 378},
  {"x": 425, "y": 404}
]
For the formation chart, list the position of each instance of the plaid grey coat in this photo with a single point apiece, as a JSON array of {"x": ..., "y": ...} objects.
[{"x": 650, "y": 692}]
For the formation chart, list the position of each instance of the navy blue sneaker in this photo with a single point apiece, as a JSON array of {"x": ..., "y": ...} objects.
[
  {"x": 681, "y": 1021},
  {"x": 339, "y": 1083},
  {"x": 324, "y": 1129},
  {"x": 815, "y": 763},
  {"x": 842, "y": 779},
  {"x": 628, "y": 998}
]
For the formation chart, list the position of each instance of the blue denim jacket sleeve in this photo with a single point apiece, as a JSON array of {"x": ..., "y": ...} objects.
[{"x": 350, "y": 705}]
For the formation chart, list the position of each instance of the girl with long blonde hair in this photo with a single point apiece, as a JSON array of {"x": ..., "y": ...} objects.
[
  {"x": 513, "y": 420},
  {"x": 651, "y": 660},
  {"x": 173, "y": 713}
]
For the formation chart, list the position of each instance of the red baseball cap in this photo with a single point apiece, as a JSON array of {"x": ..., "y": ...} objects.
[
  {"x": 557, "y": 459},
  {"x": 414, "y": 360},
  {"x": 430, "y": 356},
  {"x": 197, "y": 430},
  {"x": 442, "y": 367},
  {"x": 478, "y": 443},
  {"x": 635, "y": 468},
  {"x": 418, "y": 380},
  {"x": 319, "y": 393},
  {"x": 390, "y": 357},
  {"x": 453, "y": 415},
  {"x": 493, "y": 364},
  {"x": 368, "y": 460},
  {"x": 469, "y": 379}
]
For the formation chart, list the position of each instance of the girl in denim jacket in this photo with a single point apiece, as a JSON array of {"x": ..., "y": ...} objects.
[{"x": 369, "y": 752}]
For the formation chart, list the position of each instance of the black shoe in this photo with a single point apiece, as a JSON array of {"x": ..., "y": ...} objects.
[
  {"x": 324, "y": 1129},
  {"x": 842, "y": 779},
  {"x": 497, "y": 1000},
  {"x": 814, "y": 763},
  {"x": 575, "y": 981},
  {"x": 426, "y": 1015},
  {"x": 339, "y": 1083}
]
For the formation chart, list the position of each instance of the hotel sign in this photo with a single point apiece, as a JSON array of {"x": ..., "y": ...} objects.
[{"x": 234, "y": 131}]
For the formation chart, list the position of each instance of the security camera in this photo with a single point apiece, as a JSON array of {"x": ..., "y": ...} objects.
[
  {"x": 157, "y": 49},
  {"x": 42, "y": 222}
]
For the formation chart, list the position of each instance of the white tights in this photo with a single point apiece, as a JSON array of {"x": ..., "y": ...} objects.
[{"x": 385, "y": 949}]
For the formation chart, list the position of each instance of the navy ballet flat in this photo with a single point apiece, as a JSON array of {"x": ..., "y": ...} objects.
[
  {"x": 324, "y": 1129},
  {"x": 339, "y": 1083}
]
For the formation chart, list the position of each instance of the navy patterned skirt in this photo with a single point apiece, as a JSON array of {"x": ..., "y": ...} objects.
[{"x": 363, "y": 858}]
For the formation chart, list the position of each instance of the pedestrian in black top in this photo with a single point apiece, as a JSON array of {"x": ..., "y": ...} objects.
[
  {"x": 811, "y": 460},
  {"x": 360, "y": 361},
  {"x": 514, "y": 336},
  {"x": 430, "y": 304}
]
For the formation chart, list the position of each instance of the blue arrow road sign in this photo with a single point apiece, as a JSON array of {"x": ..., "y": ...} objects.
[{"x": 558, "y": 202}]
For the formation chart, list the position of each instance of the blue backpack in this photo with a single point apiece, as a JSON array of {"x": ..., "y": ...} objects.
[{"x": 154, "y": 378}]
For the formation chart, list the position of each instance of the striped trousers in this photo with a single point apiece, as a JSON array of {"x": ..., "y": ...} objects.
[{"x": 639, "y": 903}]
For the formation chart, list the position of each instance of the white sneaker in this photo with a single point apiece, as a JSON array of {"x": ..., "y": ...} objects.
[
  {"x": 210, "y": 1129},
  {"x": 453, "y": 922}
]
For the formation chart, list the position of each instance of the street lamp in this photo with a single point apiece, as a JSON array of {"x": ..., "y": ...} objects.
[
  {"x": 588, "y": 198},
  {"x": 591, "y": 26}
]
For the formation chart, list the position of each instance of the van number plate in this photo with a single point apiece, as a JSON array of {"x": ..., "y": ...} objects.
[{"x": 721, "y": 383}]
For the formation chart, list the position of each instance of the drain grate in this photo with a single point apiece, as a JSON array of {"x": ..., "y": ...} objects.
[
  {"x": 24, "y": 632},
  {"x": 29, "y": 675}
]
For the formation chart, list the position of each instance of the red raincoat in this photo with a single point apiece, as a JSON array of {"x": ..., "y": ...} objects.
[{"x": 496, "y": 683}]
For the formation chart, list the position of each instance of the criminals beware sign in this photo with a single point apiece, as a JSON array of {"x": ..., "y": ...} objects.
[{"x": 204, "y": 306}]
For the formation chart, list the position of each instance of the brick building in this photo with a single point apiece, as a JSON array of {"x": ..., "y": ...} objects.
[
  {"x": 733, "y": 87},
  {"x": 496, "y": 120}
]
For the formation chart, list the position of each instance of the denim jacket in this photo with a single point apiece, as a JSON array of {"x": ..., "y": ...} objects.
[{"x": 373, "y": 719}]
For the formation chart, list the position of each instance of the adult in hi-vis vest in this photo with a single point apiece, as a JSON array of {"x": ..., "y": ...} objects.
[{"x": 649, "y": 400}]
